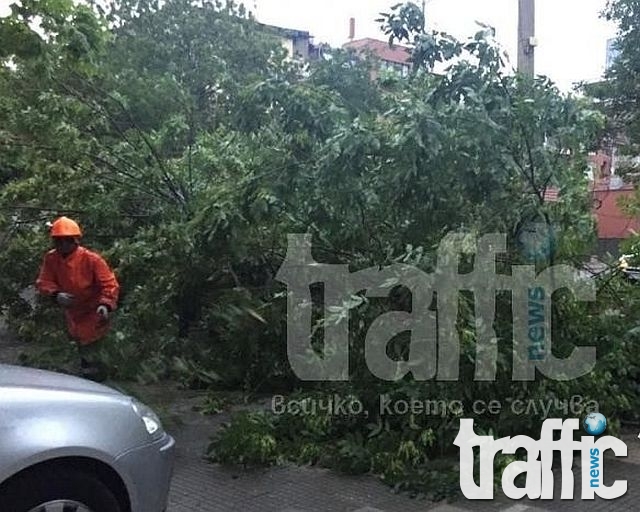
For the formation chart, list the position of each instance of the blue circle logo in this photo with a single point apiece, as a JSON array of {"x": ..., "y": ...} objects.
[{"x": 594, "y": 424}]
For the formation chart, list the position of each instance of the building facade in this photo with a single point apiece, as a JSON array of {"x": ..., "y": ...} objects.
[{"x": 394, "y": 58}]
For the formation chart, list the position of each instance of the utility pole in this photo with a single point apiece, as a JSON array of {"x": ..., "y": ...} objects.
[
  {"x": 424, "y": 15},
  {"x": 526, "y": 36}
]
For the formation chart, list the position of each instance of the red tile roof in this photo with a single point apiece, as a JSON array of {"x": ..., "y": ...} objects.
[{"x": 381, "y": 49}]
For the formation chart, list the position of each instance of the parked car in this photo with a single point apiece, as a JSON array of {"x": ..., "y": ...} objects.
[{"x": 71, "y": 445}]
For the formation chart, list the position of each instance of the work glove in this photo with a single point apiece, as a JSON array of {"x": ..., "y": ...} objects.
[
  {"x": 64, "y": 299},
  {"x": 103, "y": 312}
]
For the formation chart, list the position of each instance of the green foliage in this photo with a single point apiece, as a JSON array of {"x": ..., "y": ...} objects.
[
  {"x": 618, "y": 92},
  {"x": 250, "y": 441},
  {"x": 188, "y": 148},
  {"x": 617, "y": 95},
  {"x": 313, "y": 435},
  {"x": 212, "y": 405}
]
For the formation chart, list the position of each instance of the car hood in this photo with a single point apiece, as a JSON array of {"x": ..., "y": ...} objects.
[{"x": 22, "y": 377}]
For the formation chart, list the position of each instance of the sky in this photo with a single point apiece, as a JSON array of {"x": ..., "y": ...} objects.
[{"x": 571, "y": 36}]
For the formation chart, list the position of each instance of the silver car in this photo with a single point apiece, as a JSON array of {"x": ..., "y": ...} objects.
[{"x": 71, "y": 445}]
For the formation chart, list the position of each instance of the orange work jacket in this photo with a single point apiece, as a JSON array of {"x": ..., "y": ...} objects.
[{"x": 87, "y": 276}]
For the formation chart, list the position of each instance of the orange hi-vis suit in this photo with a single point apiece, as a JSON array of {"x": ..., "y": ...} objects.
[{"x": 87, "y": 276}]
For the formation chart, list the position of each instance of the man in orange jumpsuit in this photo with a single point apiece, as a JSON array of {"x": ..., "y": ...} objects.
[{"x": 82, "y": 283}]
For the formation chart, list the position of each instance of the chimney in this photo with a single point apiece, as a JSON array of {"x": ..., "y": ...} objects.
[{"x": 352, "y": 28}]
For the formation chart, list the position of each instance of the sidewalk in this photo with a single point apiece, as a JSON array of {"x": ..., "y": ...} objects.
[{"x": 199, "y": 486}]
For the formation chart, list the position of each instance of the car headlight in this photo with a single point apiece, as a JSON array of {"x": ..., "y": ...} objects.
[{"x": 150, "y": 419}]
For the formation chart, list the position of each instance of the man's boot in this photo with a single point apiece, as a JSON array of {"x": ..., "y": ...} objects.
[
  {"x": 93, "y": 370},
  {"x": 90, "y": 365}
]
